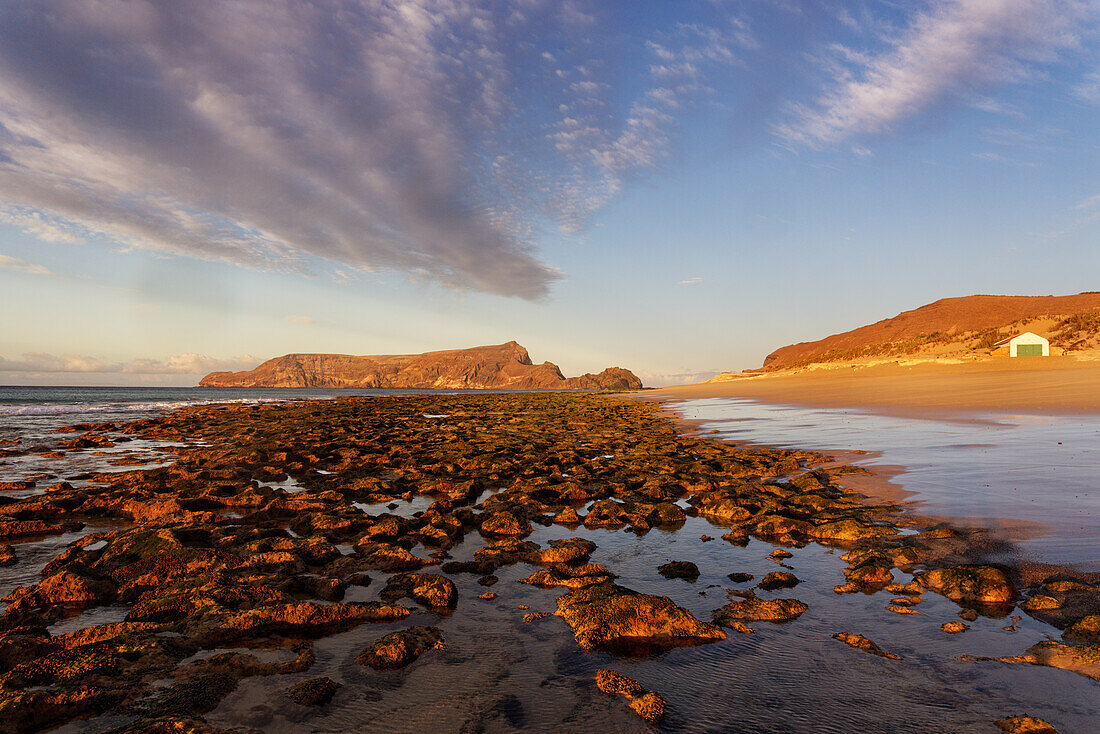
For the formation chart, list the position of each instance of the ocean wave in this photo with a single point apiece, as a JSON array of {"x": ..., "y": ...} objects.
[{"x": 119, "y": 407}]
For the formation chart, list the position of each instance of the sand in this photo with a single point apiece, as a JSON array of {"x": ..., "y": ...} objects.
[{"x": 1052, "y": 385}]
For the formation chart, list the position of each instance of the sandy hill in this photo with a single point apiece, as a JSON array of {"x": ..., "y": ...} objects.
[
  {"x": 503, "y": 366},
  {"x": 956, "y": 327}
]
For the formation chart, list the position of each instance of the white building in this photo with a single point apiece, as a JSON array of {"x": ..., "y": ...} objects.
[{"x": 1026, "y": 345}]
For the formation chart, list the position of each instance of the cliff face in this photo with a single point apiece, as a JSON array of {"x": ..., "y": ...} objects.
[
  {"x": 948, "y": 315},
  {"x": 505, "y": 366}
]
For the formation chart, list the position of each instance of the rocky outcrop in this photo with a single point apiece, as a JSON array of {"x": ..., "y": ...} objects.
[
  {"x": 504, "y": 366},
  {"x": 948, "y": 315}
]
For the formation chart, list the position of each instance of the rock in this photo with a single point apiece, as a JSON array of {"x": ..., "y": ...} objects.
[
  {"x": 975, "y": 583},
  {"x": 869, "y": 576},
  {"x": 1081, "y": 659},
  {"x": 779, "y": 580},
  {"x": 302, "y": 618},
  {"x": 7, "y": 556},
  {"x": 1025, "y": 725},
  {"x": 612, "y": 617},
  {"x": 740, "y": 578},
  {"x": 505, "y": 524},
  {"x": 780, "y": 554},
  {"x": 568, "y": 516},
  {"x": 862, "y": 643},
  {"x": 1086, "y": 628},
  {"x": 501, "y": 366},
  {"x": 902, "y": 609},
  {"x": 760, "y": 610},
  {"x": 398, "y": 649},
  {"x": 390, "y": 558},
  {"x": 1040, "y": 602},
  {"x": 27, "y": 528},
  {"x": 487, "y": 596},
  {"x": 679, "y": 570},
  {"x": 313, "y": 692},
  {"x": 573, "y": 577},
  {"x": 954, "y": 628},
  {"x": 429, "y": 589},
  {"x": 850, "y": 530},
  {"x": 646, "y": 704},
  {"x": 567, "y": 550}
]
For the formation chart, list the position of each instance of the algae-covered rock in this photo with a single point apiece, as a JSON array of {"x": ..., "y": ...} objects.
[
  {"x": 860, "y": 642},
  {"x": 760, "y": 610},
  {"x": 971, "y": 583},
  {"x": 312, "y": 692},
  {"x": 647, "y": 704},
  {"x": 613, "y": 617},
  {"x": 398, "y": 649},
  {"x": 429, "y": 589}
]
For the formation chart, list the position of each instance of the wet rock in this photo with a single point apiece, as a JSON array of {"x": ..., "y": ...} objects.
[
  {"x": 7, "y": 556},
  {"x": 1086, "y": 628},
  {"x": 679, "y": 570},
  {"x": 567, "y": 550},
  {"x": 308, "y": 618},
  {"x": 1040, "y": 602},
  {"x": 568, "y": 516},
  {"x": 850, "y": 530},
  {"x": 487, "y": 596},
  {"x": 505, "y": 524},
  {"x": 391, "y": 558},
  {"x": 869, "y": 576},
  {"x": 974, "y": 583},
  {"x": 313, "y": 692},
  {"x": 398, "y": 649},
  {"x": 613, "y": 617},
  {"x": 740, "y": 578},
  {"x": 27, "y": 528},
  {"x": 1081, "y": 659},
  {"x": 1025, "y": 725},
  {"x": 954, "y": 628},
  {"x": 573, "y": 577},
  {"x": 780, "y": 554},
  {"x": 779, "y": 580},
  {"x": 37, "y": 710},
  {"x": 860, "y": 642},
  {"x": 430, "y": 589},
  {"x": 760, "y": 610},
  {"x": 647, "y": 704}
]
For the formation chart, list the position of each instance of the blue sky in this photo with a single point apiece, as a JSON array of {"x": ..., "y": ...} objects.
[{"x": 673, "y": 187}]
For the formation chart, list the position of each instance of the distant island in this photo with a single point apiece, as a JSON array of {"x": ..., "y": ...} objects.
[{"x": 502, "y": 366}]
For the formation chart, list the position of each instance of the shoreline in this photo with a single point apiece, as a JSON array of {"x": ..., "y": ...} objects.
[
  {"x": 573, "y": 501},
  {"x": 1061, "y": 386},
  {"x": 877, "y": 485}
]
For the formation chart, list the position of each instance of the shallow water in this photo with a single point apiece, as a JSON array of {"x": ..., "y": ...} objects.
[
  {"x": 498, "y": 674},
  {"x": 1022, "y": 475}
]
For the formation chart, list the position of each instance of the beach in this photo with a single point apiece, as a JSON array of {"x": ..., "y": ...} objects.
[
  {"x": 1039, "y": 386},
  {"x": 402, "y": 562}
]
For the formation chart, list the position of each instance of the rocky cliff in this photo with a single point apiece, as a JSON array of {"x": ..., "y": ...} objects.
[
  {"x": 505, "y": 366},
  {"x": 946, "y": 320}
]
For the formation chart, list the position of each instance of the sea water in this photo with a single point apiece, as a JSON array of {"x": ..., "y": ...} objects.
[{"x": 1034, "y": 478}]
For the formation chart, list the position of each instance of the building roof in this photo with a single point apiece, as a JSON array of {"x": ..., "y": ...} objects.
[{"x": 1008, "y": 339}]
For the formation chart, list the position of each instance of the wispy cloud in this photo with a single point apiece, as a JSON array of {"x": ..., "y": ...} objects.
[
  {"x": 179, "y": 364},
  {"x": 301, "y": 320},
  {"x": 12, "y": 263},
  {"x": 691, "y": 281},
  {"x": 267, "y": 133},
  {"x": 954, "y": 49}
]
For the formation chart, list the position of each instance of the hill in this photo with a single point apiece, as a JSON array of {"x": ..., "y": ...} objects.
[
  {"x": 965, "y": 327},
  {"x": 503, "y": 366}
]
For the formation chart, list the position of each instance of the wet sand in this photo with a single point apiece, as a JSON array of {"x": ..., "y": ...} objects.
[{"x": 1053, "y": 385}]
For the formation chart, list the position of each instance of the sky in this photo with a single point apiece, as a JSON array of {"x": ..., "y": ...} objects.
[{"x": 677, "y": 188}]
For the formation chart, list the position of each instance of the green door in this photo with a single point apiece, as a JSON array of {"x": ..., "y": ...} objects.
[{"x": 1029, "y": 350}]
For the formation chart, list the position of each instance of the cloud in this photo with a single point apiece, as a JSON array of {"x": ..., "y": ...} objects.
[
  {"x": 22, "y": 266},
  {"x": 300, "y": 320},
  {"x": 179, "y": 364},
  {"x": 270, "y": 134},
  {"x": 692, "y": 281},
  {"x": 954, "y": 49},
  {"x": 1089, "y": 88}
]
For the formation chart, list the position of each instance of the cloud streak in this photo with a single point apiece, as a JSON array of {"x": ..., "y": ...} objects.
[
  {"x": 334, "y": 134},
  {"x": 22, "y": 266},
  {"x": 954, "y": 49},
  {"x": 179, "y": 364}
]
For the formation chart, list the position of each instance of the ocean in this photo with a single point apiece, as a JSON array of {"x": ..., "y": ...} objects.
[{"x": 1032, "y": 478}]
